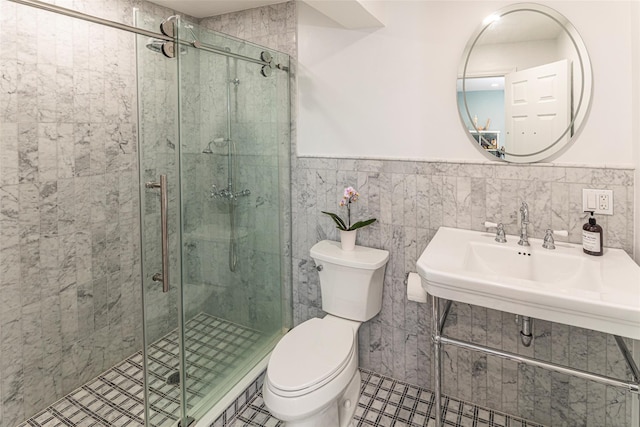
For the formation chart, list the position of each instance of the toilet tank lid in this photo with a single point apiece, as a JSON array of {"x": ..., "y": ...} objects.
[{"x": 359, "y": 257}]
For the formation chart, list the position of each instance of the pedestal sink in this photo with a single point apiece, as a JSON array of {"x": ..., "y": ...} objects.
[{"x": 563, "y": 285}]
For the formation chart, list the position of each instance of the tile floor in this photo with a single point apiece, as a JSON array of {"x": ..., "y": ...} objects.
[
  {"x": 387, "y": 402},
  {"x": 115, "y": 398},
  {"x": 215, "y": 348}
]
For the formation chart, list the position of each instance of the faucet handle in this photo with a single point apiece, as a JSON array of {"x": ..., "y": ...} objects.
[
  {"x": 548, "y": 242},
  {"x": 500, "y": 236}
]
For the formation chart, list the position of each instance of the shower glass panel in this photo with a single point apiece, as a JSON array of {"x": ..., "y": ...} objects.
[
  {"x": 234, "y": 128},
  {"x": 158, "y": 155},
  {"x": 219, "y": 130}
]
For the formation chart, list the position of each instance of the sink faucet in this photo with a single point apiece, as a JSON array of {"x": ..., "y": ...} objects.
[
  {"x": 549, "y": 242},
  {"x": 524, "y": 222}
]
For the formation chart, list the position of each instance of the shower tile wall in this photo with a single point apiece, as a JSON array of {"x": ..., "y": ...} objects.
[
  {"x": 411, "y": 200},
  {"x": 273, "y": 26},
  {"x": 206, "y": 220},
  {"x": 69, "y": 227}
]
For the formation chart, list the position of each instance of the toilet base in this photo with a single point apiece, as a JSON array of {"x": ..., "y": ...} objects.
[
  {"x": 338, "y": 413},
  {"x": 348, "y": 402}
]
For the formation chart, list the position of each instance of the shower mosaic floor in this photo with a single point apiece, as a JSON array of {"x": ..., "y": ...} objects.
[{"x": 116, "y": 397}]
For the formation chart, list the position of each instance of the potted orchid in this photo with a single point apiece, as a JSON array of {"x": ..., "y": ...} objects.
[{"x": 348, "y": 230}]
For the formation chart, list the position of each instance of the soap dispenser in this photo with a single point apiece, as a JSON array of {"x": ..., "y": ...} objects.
[{"x": 592, "y": 237}]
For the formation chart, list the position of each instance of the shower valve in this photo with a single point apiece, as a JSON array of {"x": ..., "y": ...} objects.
[
  {"x": 227, "y": 193},
  {"x": 224, "y": 193}
]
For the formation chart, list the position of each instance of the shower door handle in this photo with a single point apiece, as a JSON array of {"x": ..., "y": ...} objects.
[{"x": 164, "y": 228}]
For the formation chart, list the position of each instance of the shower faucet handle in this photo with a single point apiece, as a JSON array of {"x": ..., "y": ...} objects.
[
  {"x": 242, "y": 193},
  {"x": 224, "y": 193}
]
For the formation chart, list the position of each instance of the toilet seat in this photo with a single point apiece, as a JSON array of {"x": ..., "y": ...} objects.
[{"x": 309, "y": 356}]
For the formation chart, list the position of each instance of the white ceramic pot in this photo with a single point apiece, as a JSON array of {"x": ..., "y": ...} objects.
[{"x": 348, "y": 239}]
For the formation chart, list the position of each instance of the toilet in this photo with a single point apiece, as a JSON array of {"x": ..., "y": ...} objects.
[{"x": 312, "y": 378}]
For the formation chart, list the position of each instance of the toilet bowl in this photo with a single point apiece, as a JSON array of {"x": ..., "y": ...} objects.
[
  {"x": 310, "y": 371},
  {"x": 312, "y": 378}
]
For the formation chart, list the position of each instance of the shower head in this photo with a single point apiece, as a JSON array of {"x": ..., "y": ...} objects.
[
  {"x": 215, "y": 141},
  {"x": 161, "y": 46},
  {"x": 167, "y": 48},
  {"x": 154, "y": 45}
]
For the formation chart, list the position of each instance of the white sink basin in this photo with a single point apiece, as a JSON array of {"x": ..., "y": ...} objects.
[{"x": 563, "y": 285}]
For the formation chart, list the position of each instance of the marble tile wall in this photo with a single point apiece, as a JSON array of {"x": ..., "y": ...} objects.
[
  {"x": 411, "y": 200},
  {"x": 69, "y": 202},
  {"x": 273, "y": 26}
]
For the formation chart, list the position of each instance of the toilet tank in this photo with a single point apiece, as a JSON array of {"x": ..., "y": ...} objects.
[{"x": 350, "y": 281}]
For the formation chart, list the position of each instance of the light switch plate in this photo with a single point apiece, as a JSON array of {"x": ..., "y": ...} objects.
[{"x": 598, "y": 201}]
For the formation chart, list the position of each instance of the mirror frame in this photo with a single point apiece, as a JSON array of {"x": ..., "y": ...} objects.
[{"x": 582, "y": 107}]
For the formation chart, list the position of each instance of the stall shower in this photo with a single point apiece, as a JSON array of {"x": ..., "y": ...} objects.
[{"x": 125, "y": 274}]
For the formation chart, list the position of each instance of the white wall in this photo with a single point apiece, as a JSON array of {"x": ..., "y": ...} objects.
[
  {"x": 391, "y": 92},
  {"x": 502, "y": 58}
]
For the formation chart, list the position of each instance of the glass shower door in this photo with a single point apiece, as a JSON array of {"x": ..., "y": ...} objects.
[
  {"x": 234, "y": 128},
  {"x": 218, "y": 130},
  {"x": 158, "y": 153}
]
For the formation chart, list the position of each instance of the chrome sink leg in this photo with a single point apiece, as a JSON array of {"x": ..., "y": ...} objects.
[
  {"x": 437, "y": 355},
  {"x": 526, "y": 329}
]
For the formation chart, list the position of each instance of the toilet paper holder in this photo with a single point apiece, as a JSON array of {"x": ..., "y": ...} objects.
[{"x": 415, "y": 291}]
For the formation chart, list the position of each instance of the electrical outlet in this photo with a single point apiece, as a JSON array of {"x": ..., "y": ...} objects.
[
  {"x": 603, "y": 202},
  {"x": 598, "y": 201}
]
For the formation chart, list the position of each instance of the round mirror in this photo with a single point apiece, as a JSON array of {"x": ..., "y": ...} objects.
[{"x": 524, "y": 84}]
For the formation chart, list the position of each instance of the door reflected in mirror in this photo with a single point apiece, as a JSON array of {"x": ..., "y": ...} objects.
[
  {"x": 524, "y": 85},
  {"x": 485, "y": 99}
]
